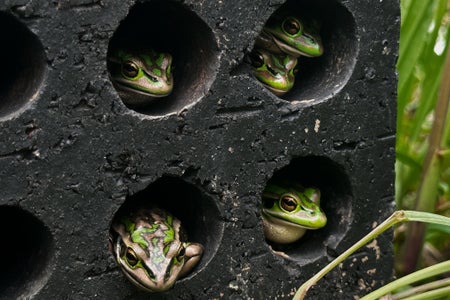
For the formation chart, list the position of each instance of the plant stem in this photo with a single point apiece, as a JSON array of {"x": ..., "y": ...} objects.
[
  {"x": 422, "y": 288},
  {"x": 396, "y": 217},
  {"x": 428, "y": 189},
  {"x": 408, "y": 279},
  {"x": 435, "y": 294}
]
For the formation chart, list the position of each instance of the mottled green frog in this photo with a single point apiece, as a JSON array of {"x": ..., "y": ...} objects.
[
  {"x": 283, "y": 39},
  {"x": 141, "y": 76},
  {"x": 275, "y": 71},
  {"x": 289, "y": 210},
  {"x": 151, "y": 248},
  {"x": 287, "y": 34}
]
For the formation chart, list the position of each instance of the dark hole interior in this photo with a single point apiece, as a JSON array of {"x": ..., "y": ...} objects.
[
  {"x": 319, "y": 78},
  {"x": 196, "y": 211},
  {"x": 194, "y": 50},
  {"x": 336, "y": 195},
  {"x": 26, "y": 251},
  {"x": 23, "y": 65}
]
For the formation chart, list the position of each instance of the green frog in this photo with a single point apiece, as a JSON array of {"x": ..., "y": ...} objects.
[
  {"x": 290, "y": 35},
  {"x": 151, "y": 249},
  {"x": 275, "y": 71},
  {"x": 289, "y": 210},
  {"x": 141, "y": 76}
]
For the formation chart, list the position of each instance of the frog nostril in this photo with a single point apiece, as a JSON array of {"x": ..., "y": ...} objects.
[
  {"x": 150, "y": 273},
  {"x": 169, "y": 271},
  {"x": 272, "y": 71}
]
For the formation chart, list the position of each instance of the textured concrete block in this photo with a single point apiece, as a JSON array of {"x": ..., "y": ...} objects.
[{"x": 73, "y": 153}]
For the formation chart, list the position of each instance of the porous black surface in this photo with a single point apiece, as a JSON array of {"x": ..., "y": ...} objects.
[{"x": 72, "y": 153}]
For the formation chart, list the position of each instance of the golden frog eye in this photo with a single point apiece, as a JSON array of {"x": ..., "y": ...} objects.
[
  {"x": 256, "y": 59},
  {"x": 291, "y": 26},
  {"x": 130, "y": 69},
  {"x": 131, "y": 257},
  {"x": 288, "y": 203}
]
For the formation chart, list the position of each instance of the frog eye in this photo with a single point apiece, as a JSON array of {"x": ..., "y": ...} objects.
[
  {"x": 256, "y": 59},
  {"x": 131, "y": 257},
  {"x": 130, "y": 69},
  {"x": 291, "y": 26},
  {"x": 288, "y": 203}
]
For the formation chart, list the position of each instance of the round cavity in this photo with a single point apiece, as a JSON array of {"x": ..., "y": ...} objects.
[
  {"x": 197, "y": 212},
  {"x": 319, "y": 78},
  {"x": 27, "y": 250},
  {"x": 335, "y": 201},
  {"x": 152, "y": 26},
  {"x": 24, "y": 66}
]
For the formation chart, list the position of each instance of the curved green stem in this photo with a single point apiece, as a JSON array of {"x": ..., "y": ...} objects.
[
  {"x": 396, "y": 217},
  {"x": 409, "y": 279},
  {"x": 434, "y": 285}
]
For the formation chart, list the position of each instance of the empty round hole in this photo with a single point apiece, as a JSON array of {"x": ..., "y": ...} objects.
[
  {"x": 319, "y": 78},
  {"x": 153, "y": 26},
  {"x": 336, "y": 196},
  {"x": 26, "y": 251},
  {"x": 197, "y": 212},
  {"x": 24, "y": 66}
]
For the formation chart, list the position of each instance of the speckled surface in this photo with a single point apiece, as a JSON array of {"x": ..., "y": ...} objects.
[{"x": 72, "y": 153}]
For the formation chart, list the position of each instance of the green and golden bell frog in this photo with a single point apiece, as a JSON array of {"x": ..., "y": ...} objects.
[
  {"x": 151, "y": 249},
  {"x": 290, "y": 35},
  {"x": 288, "y": 211},
  {"x": 274, "y": 71},
  {"x": 141, "y": 73}
]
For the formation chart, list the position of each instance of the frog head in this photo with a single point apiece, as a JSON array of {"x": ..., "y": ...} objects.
[
  {"x": 294, "y": 36},
  {"x": 147, "y": 73},
  {"x": 274, "y": 71},
  {"x": 289, "y": 211},
  {"x": 150, "y": 250}
]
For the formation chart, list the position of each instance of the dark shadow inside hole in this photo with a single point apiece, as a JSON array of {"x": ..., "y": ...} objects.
[
  {"x": 179, "y": 32},
  {"x": 196, "y": 211},
  {"x": 319, "y": 78},
  {"x": 336, "y": 195},
  {"x": 26, "y": 252},
  {"x": 24, "y": 65}
]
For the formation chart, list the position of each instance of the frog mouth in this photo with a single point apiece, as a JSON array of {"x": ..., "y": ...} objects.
[
  {"x": 137, "y": 283},
  {"x": 135, "y": 280},
  {"x": 130, "y": 89},
  {"x": 277, "y": 92},
  {"x": 276, "y": 219},
  {"x": 289, "y": 49}
]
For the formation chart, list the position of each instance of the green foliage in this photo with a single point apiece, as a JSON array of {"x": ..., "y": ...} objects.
[
  {"x": 423, "y": 157},
  {"x": 425, "y": 291},
  {"x": 423, "y": 124},
  {"x": 424, "y": 35}
]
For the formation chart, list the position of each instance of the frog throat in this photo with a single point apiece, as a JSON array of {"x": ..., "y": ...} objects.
[{"x": 279, "y": 220}]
